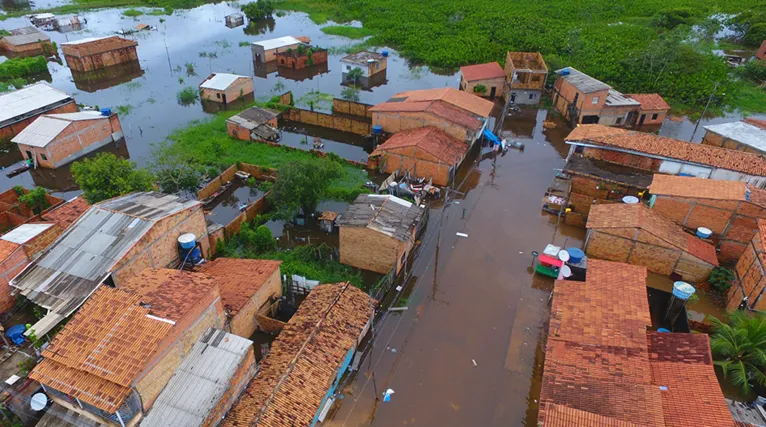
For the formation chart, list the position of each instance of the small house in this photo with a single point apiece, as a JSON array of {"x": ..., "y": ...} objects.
[
  {"x": 95, "y": 53},
  {"x": 235, "y": 20},
  {"x": 751, "y": 274},
  {"x": 378, "y": 231},
  {"x": 619, "y": 109},
  {"x": 21, "y": 107},
  {"x": 27, "y": 41},
  {"x": 327, "y": 221},
  {"x": 487, "y": 80},
  {"x": 303, "y": 56},
  {"x": 42, "y": 19},
  {"x": 114, "y": 357},
  {"x": 54, "y": 140},
  {"x": 525, "y": 73},
  {"x": 635, "y": 234},
  {"x": 255, "y": 123},
  {"x": 371, "y": 64},
  {"x": 198, "y": 396},
  {"x": 298, "y": 378},
  {"x": 426, "y": 152},
  {"x": 652, "y": 110},
  {"x": 225, "y": 87},
  {"x": 746, "y": 135},
  {"x": 266, "y": 51}
]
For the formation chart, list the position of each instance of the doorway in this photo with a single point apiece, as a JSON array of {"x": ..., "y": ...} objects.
[
  {"x": 29, "y": 155},
  {"x": 492, "y": 92},
  {"x": 223, "y": 98},
  {"x": 641, "y": 120},
  {"x": 513, "y": 98}
]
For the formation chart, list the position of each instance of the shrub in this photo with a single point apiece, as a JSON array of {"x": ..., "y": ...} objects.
[
  {"x": 35, "y": 199},
  {"x": 480, "y": 88},
  {"x": 721, "y": 279},
  {"x": 106, "y": 176},
  {"x": 132, "y": 13},
  {"x": 755, "y": 70},
  {"x": 256, "y": 11},
  {"x": 21, "y": 67},
  {"x": 187, "y": 96}
]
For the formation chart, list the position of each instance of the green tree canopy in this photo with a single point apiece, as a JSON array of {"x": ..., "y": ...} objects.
[
  {"x": 35, "y": 199},
  {"x": 106, "y": 176},
  {"x": 256, "y": 11},
  {"x": 172, "y": 171},
  {"x": 739, "y": 349},
  {"x": 301, "y": 184}
]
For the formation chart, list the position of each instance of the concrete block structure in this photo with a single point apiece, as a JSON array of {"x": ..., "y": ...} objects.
[
  {"x": 112, "y": 242},
  {"x": 54, "y": 140},
  {"x": 457, "y": 113},
  {"x": 235, "y": 20},
  {"x": 751, "y": 275},
  {"x": 254, "y": 123},
  {"x": 605, "y": 367},
  {"x": 378, "y": 231},
  {"x": 525, "y": 73},
  {"x": 373, "y": 67},
  {"x": 27, "y": 41},
  {"x": 730, "y": 209},
  {"x": 637, "y": 235},
  {"x": 115, "y": 356},
  {"x": 301, "y": 57},
  {"x": 486, "y": 80},
  {"x": 95, "y": 53},
  {"x": 298, "y": 378},
  {"x": 425, "y": 152},
  {"x": 225, "y": 87},
  {"x": 21, "y": 107},
  {"x": 747, "y": 135},
  {"x": 265, "y": 51}
]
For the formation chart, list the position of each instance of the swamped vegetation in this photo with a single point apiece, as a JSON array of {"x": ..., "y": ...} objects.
[
  {"x": 23, "y": 67},
  {"x": 347, "y": 31}
]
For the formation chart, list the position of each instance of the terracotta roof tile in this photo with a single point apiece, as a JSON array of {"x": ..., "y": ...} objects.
[
  {"x": 648, "y": 143},
  {"x": 170, "y": 293},
  {"x": 458, "y": 98},
  {"x": 304, "y": 359},
  {"x": 87, "y": 387},
  {"x": 7, "y": 248},
  {"x": 439, "y": 108},
  {"x": 762, "y": 229},
  {"x": 69, "y": 212},
  {"x": 434, "y": 141},
  {"x": 649, "y": 101},
  {"x": 619, "y": 215},
  {"x": 239, "y": 279},
  {"x": 697, "y": 188},
  {"x": 490, "y": 70},
  {"x": 564, "y": 416},
  {"x": 679, "y": 348}
]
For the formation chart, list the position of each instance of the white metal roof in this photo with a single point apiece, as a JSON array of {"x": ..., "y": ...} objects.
[
  {"x": 277, "y": 43},
  {"x": 742, "y": 132},
  {"x": 614, "y": 98},
  {"x": 87, "y": 40},
  {"x": 24, "y": 233},
  {"x": 220, "y": 81},
  {"x": 46, "y": 128},
  {"x": 28, "y": 99},
  {"x": 80, "y": 115},
  {"x": 42, "y": 16},
  {"x": 582, "y": 81}
]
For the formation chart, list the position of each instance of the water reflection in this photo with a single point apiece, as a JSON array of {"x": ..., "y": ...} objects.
[
  {"x": 92, "y": 81},
  {"x": 238, "y": 104},
  {"x": 303, "y": 73},
  {"x": 366, "y": 83}
]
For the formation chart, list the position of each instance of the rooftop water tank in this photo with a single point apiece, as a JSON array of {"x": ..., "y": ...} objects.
[
  {"x": 377, "y": 129},
  {"x": 565, "y": 72},
  {"x": 575, "y": 255},
  {"x": 704, "y": 233},
  {"x": 187, "y": 241},
  {"x": 630, "y": 200},
  {"x": 384, "y": 53},
  {"x": 683, "y": 290},
  {"x": 106, "y": 112}
]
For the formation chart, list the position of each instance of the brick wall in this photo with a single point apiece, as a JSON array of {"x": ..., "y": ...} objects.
[
  {"x": 650, "y": 113},
  {"x": 565, "y": 94},
  {"x": 393, "y": 122},
  {"x": 351, "y": 108},
  {"x": 369, "y": 250},
  {"x": 79, "y": 60},
  {"x": 72, "y": 140},
  {"x": 240, "y": 87},
  {"x": 417, "y": 162},
  {"x": 751, "y": 277},
  {"x": 269, "y": 324},
  {"x": 344, "y": 124},
  {"x": 489, "y": 84},
  {"x": 236, "y": 131},
  {"x": 41, "y": 242},
  {"x": 9, "y": 268},
  {"x": 8, "y": 132},
  {"x": 244, "y": 323}
]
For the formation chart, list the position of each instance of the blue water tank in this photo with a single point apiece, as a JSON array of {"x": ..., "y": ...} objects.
[
  {"x": 16, "y": 333},
  {"x": 663, "y": 330},
  {"x": 377, "y": 129},
  {"x": 106, "y": 112},
  {"x": 575, "y": 255},
  {"x": 683, "y": 290},
  {"x": 384, "y": 53},
  {"x": 565, "y": 72},
  {"x": 704, "y": 233}
]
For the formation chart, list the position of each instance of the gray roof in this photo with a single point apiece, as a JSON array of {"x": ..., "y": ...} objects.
[
  {"x": 26, "y": 35},
  {"x": 74, "y": 266},
  {"x": 363, "y": 57},
  {"x": 742, "y": 132},
  {"x": 253, "y": 117},
  {"x": 583, "y": 81},
  {"x": 59, "y": 416},
  {"x": 616, "y": 99},
  {"x": 383, "y": 213},
  {"x": 30, "y": 100},
  {"x": 201, "y": 381}
]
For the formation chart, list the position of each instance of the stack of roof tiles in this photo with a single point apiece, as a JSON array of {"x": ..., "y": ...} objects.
[
  {"x": 304, "y": 359},
  {"x": 602, "y": 368}
]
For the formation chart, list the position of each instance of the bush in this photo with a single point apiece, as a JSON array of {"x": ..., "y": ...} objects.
[
  {"x": 106, "y": 176},
  {"x": 755, "y": 34},
  {"x": 256, "y": 11},
  {"x": 755, "y": 70},
  {"x": 480, "y": 88},
  {"x": 721, "y": 279},
  {"x": 35, "y": 199},
  {"x": 132, "y": 13},
  {"x": 21, "y": 67},
  {"x": 187, "y": 96}
]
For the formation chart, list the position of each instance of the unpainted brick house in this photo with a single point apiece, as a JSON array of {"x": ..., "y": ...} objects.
[
  {"x": 378, "y": 231},
  {"x": 117, "y": 353},
  {"x": 372, "y": 65},
  {"x": 746, "y": 135},
  {"x": 98, "y": 52},
  {"x": 225, "y": 87},
  {"x": 425, "y": 152},
  {"x": 265, "y": 51},
  {"x": 21, "y": 107},
  {"x": 751, "y": 274},
  {"x": 27, "y": 41},
  {"x": 486, "y": 80},
  {"x": 254, "y": 123},
  {"x": 526, "y": 73},
  {"x": 637, "y": 235},
  {"x": 54, "y": 140},
  {"x": 111, "y": 243},
  {"x": 301, "y": 57}
]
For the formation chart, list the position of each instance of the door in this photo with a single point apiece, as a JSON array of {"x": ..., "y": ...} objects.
[
  {"x": 492, "y": 92},
  {"x": 223, "y": 97},
  {"x": 513, "y": 98},
  {"x": 29, "y": 155},
  {"x": 641, "y": 120}
]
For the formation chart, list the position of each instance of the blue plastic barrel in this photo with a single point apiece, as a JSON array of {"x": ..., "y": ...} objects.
[
  {"x": 106, "y": 112},
  {"x": 663, "y": 330},
  {"x": 187, "y": 241},
  {"x": 683, "y": 290},
  {"x": 575, "y": 255},
  {"x": 384, "y": 53},
  {"x": 704, "y": 233},
  {"x": 377, "y": 129}
]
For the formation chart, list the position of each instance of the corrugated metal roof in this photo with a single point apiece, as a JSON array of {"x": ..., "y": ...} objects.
[
  {"x": 277, "y": 43},
  {"x": 383, "y": 213},
  {"x": 583, "y": 81},
  {"x": 220, "y": 81},
  {"x": 46, "y": 128},
  {"x": 742, "y": 132},
  {"x": 81, "y": 258},
  {"x": 25, "y": 232},
  {"x": 253, "y": 117},
  {"x": 28, "y": 99},
  {"x": 26, "y": 35},
  {"x": 86, "y": 40},
  {"x": 615, "y": 99},
  {"x": 200, "y": 382}
]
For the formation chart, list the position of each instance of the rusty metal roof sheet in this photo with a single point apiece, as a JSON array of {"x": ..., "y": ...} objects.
[{"x": 383, "y": 213}]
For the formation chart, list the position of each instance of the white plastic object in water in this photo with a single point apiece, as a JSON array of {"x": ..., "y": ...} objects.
[
  {"x": 630, "y": 200},
  {"x": 38, "y": 402}
]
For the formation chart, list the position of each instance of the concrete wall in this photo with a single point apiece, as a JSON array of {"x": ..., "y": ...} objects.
[
  {"x": 241, "y": 87},
  {"x": 649, "y": 117},
  {"x": 101, "y": 60},
  {"x": 496, "y": 83},
  {"x": 525, "y": 96},
  {"x": 9, "y": 131},
  {"x": 615, "y": 116},
  {"x": 369, "y": 250},
  {"x": 244, "y": 323},
  {"x": 393, "y": 122},
  {"x": 351, "y": 108}
]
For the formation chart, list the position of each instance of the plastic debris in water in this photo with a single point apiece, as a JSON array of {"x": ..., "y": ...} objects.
[{"x": 387, "y": 395}]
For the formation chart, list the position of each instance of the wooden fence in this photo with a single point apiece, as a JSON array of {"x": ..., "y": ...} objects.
[{"x": 351, "y": 108}]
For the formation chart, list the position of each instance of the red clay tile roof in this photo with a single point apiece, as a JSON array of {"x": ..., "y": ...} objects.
[
  {"x": 239, "y": 279},
  {"x": 466, "y": 101},
  {"x": 69, "y": 212},
  {"x": 490, "y": 70},
  {"x": 170, "y": 293},
  {"x": 697, "y": 188},
  {"x": 7, "y": 248},
  {"x": 755, "y": 122},
  {"x": 438, "y": 108},
  {"x": 304, "y": 359},
  {"x": 434, "y": 141},
  {"x": 762, "y": 229},
  {"x": 620, "y": 215},
  {"x": 648, "y": 143},
  {"x": 564, "y": 416},
  {"x": 679, "y": 348},
  {"x": 649, "y": 101}
]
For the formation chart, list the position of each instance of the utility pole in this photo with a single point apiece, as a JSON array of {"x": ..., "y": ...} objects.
[
  {"x": 704, "y": 111},
  {"x": 499, "y": 124}
]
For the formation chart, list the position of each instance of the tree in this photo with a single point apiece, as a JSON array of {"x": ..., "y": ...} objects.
[
  {"x": 106, "y": 176},
  {"x": 350, "y": 93},
  {"x": 172, "y": 172},
  {"x": 300, "y": 186},
  {"x": 355, "y": 75},
  {"x": 35, "y": 199},
  {"x": 256, "y": 11},
  {"x": 739, "y": 349}
]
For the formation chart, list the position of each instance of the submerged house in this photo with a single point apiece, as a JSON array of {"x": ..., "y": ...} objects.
[
  {"x": 21, "y": 107},
  {"x": 637, "y": 235},
  {"x": 95, "y": 53},
  {"x": 486, "y": 80},
  {"x": 457, "y": 113},
  {"x": 265, "y": 51},
  {"x": 225, "y": 87},
  {"x": 235, "y": 20},
  {"x": 117, "y": 353},
  {"x": 26, "y": 41},
  {"x": 297, "y": 380},
  {"x": 426, "y": 152},
  {"x": 746, "y": 135},
  {"x": 54, "y": 140},
  {"x": 378, "y": 231},
  {"x": 525, "y": 73},
  {"x": 371, "y": 64},
  {"x": 254, "y": 123},
  {"x": 111, "y": 243}
]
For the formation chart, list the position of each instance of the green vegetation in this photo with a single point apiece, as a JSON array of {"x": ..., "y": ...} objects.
[
  {"x": 301, "y": 185},
  {"x": 347, "y": 31},
  {"x": 350, "y": 93},
  {"x": 124, "y": 110},
  {"x": 22, "y": 67},
  {"x": 721, "y": 279},
  {"x": 12, "y": 84},
  {"x": 355, "y": 75},
  {"x": 35, "y": 199},
  {"x": 161, "y": 12},
  {"x": 4, "y": 32},
  {"x": 480, "y": 88},
  {"x": 316, "y": 98},
  {"x": 106, "y": 176},
  {"x": 190, "y": 69},
  {"x": 244, "y": 43},
  {"x": 187, "y": 95},
  {"x": 739, "y": 349},
  {"x": 172, "y": 172},
  {"x": 256, "y": 11},
  {"x": 132, "y": 13}
]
